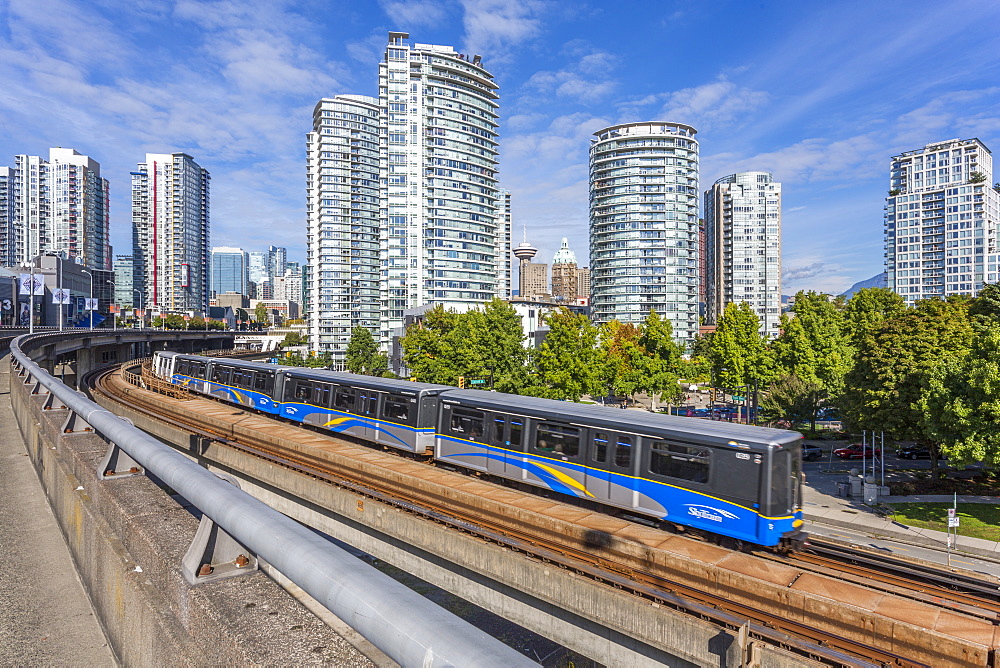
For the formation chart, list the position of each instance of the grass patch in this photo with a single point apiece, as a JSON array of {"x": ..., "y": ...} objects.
[{"x": 976, "y": 520}]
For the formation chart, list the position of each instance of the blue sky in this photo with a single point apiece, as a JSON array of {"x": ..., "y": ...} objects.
[{"x": 819, "y": 93}]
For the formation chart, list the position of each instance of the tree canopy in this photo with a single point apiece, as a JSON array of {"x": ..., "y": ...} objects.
[
  {"x": 883, "y": 388},
  {"x": 363, "y": 356}
]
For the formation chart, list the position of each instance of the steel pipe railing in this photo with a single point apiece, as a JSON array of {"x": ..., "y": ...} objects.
[{"x": 406, "y": 626}]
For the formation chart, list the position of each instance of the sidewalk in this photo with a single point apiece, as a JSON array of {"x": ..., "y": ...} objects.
[
  {"x": 821, "y": 505},
  {"x": 46, "y": 618}
]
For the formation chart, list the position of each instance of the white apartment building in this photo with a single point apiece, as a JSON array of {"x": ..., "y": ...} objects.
[
  {"x": 58, "y": 206},
  {"x": 743, "y": 248},
  {"x": 438, "y": 243},
  {"x": 505, "y": 285},
  {"x": 8, "y": 232},
  {"x": 403, "y": 206},
  {"x": 644, "y": 224},
  {"x": 941, "y": 221},
  {"x": 170, "y": 232},
  {"x": 342, "y": 210}
]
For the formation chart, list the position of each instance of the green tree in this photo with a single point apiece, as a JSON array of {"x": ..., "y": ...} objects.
[
  {"x": 566, "y": 363},
  {"x": 985, "y": 308},
  {"x": 737, "y": 352},
  {"x": 622, "y": 364},
  {"x": 884, "y": 388},
  {"x": 429, "y": 350},
  {"x": 363, "y": 355},
  {"x": 792, "y": 399},
  {"x": 294, "y": 339},
  {"x": 960, "y": 402},
  {"x": 868, "y": 309},
  {"x": 813, "y": 345},
  {"x": 490, "y": 342},
  {"x": 662, "y": 362},
  {"x": 260, "y": 314}
]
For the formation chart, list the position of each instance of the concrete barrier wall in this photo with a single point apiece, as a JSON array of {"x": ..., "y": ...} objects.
[{"x": 127, "y": 537}]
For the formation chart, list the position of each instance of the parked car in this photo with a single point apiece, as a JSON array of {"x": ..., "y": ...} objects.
[
  {"x": 811, "y": 453},
  {"x": 917, "y": 452},
  {"x": 857, "y": 451}
]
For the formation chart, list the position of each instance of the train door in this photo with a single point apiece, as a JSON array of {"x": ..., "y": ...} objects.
[
  {"x": 499, "y": 444},
  {"x": 366, "y": 407},
  {"x": 602, "y": 445},
  {"x": 506, "y": 438},
  {"x": 621, "y": 467}
]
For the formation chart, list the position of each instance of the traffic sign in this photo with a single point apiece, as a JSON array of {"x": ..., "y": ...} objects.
[
  {"x": 477, "y": 381},
  {"x": 952, "y": 522}
]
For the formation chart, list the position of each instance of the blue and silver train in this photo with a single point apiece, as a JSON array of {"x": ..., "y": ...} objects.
[{"x": 735, "y": 481}]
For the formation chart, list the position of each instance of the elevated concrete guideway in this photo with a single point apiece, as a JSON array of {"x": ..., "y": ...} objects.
[{"x": 46, "y": 617}]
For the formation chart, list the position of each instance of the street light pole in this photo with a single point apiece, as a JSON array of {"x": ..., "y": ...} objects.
[
  {"x": 91, "y": 302},
  {"x": 59, "y": 282}
]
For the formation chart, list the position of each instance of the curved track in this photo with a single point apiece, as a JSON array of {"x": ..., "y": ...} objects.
[{"x": 587, "y": 560}]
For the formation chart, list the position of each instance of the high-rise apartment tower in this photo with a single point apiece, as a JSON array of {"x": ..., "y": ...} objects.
[
  {"x": 342, "y": 188},
  {"x": 439, "y": 241},
  {"x": 743, "y": 247},
  {"x": 170, "y": 232},
  {"x": 403, "y": 204},
  {"x": 58, "y": 206},
  {"x": 644, "y": 224},
  {"x": 941, "y": 220}
]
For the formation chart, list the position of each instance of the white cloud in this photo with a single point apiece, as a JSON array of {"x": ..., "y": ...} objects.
[
  {"x": 494, "y": 27},
  {"x": 413, "y": 13}
]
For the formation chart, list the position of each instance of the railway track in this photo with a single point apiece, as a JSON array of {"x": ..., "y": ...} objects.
[{"x": 818, "y": 644}]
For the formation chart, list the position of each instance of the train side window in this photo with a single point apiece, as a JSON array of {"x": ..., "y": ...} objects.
[
  {"x": 260, "y": 381},
  {"x": 303, "y": 390},
  {"x": 241, "y": 379},
  {"x": 396, "y": 407},
  {"x": 516, "y": 431},
  {"x": 198, "y": 369},
  {"x": 599, "y": 453},
  {"x": 557, "y": 439},
  {"x": 467, "y": 422},
  {"x": 623, "y": 452},
  {"x": 687, "y": 462},
  {"x": 344, "y": 399},
  {"x": 321, "y": 396},
  {"x": 498, "y": 425},
  {"x": 221, "y": 375}
]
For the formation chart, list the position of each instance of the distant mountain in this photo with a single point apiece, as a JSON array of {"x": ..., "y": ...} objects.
[{"x": 877, "y": 281}]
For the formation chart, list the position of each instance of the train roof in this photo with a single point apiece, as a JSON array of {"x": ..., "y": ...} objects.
[
  {"x": 232, "y": 361},
  {"x": 373, "y": 382},
  {"x": 630, "y": 421}
]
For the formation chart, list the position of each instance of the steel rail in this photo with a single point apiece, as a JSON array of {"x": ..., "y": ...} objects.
[
  {"x": 777, "y": 630},
  {"x": 404, "y": 625}
]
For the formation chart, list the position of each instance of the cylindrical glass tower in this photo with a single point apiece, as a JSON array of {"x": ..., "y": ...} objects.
[{"x": 644, "y": 224}]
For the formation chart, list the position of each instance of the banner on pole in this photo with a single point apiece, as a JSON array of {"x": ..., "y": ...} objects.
[
  {"x": 90, "y": 305},
  {"x": 61, "y": 296},
  {"x": 33, "y": 282}
]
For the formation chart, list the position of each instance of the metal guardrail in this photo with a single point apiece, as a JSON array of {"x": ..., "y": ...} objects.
[{"x": 404, "y": 625}]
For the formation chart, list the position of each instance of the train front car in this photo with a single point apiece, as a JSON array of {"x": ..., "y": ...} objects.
[
  {"x": 735, "y": 481},
  {"x": 395, "y": 413},
  {"x": 182, "y": 369}
]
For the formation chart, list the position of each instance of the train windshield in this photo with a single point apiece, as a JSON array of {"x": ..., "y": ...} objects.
[{"x": 782, "y": 483}]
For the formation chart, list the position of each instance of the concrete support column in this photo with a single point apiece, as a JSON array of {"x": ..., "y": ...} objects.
[
  {"x": 124, "y": 352},
  {"x": 86, "y": 360}
]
